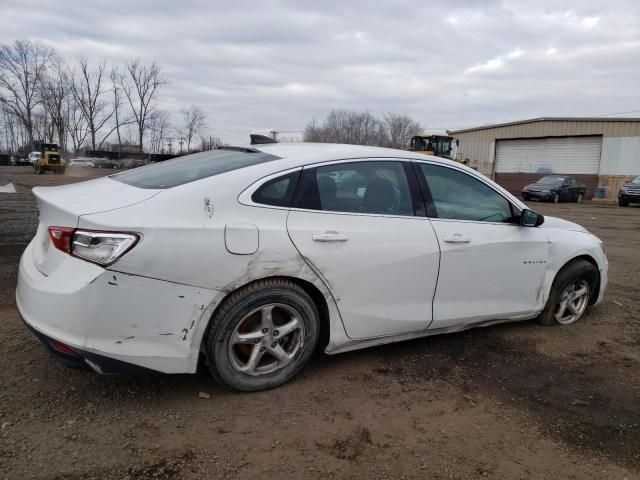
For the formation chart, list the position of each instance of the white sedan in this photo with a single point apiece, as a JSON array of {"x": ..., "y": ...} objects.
[{"x": 250, "y": 258}]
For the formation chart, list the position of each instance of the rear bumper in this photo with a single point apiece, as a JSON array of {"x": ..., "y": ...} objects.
[
  {"x": 84, "y": 360},
  {"x": 113, "y": 321}
]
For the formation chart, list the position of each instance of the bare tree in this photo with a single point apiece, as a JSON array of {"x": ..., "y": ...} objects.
[
  {"x": 193, "y": 119},
  {"x": 344, "y": 126},
  {"x": 140, "y": 89},
  {"x": 75, "y": 123},
  {"x": 54, "y": 92},
  {"x": 117, "y": 79},
  {"x": 158, "y": 127},
  {"x": 22, "y": 69},
  {"x": 398, "y": 130},
  {"x": 88, "y": 91},
  {"x": 362, "y": 128},
  {"x": 209, "y": 142}
]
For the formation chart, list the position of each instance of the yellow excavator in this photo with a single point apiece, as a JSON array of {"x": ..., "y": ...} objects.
[
  {"x": 49, "y": 159},
  {"x": 438, "y": 145}
]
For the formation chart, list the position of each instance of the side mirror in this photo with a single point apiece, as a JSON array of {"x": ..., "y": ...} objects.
[{"x": 529, "y": 218}]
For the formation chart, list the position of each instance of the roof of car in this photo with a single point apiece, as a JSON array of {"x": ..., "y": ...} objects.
[{"x": 306, "y": 153}]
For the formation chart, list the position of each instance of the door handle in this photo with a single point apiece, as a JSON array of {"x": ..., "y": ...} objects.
[
  {"x": 457, "y": 238},
  {"x": 330, "y": 236}
]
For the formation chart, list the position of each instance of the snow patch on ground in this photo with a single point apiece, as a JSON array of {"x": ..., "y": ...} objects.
[{"x": 8, "y": 188}]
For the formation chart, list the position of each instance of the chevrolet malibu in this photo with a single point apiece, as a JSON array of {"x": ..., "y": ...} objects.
[{"x": 248, "y": 259}]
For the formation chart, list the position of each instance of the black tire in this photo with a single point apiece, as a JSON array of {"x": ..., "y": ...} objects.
[
  {"x": 572, "y": 272},
  {"x": 623, "y": 203},
  {"x": 235, "y": 309}
]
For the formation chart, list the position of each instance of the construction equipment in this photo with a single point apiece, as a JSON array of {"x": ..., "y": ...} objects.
[
  {"x": 50, "y": 159},
  {"x": 438, "y": 145}
]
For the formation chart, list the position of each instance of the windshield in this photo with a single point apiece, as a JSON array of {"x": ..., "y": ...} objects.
[
  {"x": 636, "y": 181},
  {"x": 550, "y": 180},
  {"x": 190, "y": 168}
]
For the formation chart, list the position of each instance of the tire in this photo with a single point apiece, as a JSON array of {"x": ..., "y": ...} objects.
[
  {"x": 237, "y": 333},
  {"x": 623, "y": 203},
  {"x": 580, "y": 198},
  {"x": 556, "y": 198},
  {"x": 577, "y": 273}
]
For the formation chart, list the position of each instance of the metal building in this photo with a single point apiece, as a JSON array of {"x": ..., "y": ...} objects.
[{"x": 602, "y": 152}]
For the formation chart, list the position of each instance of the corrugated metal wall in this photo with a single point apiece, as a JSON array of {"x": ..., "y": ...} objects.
[{"x": 479, "y": 145}]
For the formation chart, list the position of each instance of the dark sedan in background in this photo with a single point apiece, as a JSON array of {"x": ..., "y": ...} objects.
[
  {"x": 555, "y": 188},
  {"x": 629, "y": 193}
]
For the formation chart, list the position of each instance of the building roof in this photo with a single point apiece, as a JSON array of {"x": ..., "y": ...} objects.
[{"x": 546, "y": 119}]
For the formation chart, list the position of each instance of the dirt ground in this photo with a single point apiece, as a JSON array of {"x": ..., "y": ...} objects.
[{"x": 509, "y": 402}]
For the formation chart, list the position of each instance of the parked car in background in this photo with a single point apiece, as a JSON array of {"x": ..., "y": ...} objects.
[
  {"x": 107, "y": 163},
  {"x": 133, "y": 163},
  {"x": 247, "y": 259},
  {"x": 629, "y": 193},
  {"x": 555, "y": 188},
  {"x": 81, "y": 162}
]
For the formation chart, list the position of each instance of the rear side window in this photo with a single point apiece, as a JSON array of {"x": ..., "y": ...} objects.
[
  {"x": 277, "y": 192},
  {"x": 190, "y": 168},
  {"x": 360, "y": 187}
]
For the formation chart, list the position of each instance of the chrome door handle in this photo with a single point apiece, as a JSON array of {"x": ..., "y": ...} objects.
[
  {"x": 329, "y": 236},
  {"x": 457, "y": 238}
]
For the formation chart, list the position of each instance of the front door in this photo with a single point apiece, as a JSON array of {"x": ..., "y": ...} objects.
[
  {"x": 491, "y": 267},
  {"x": 356, "y": 225}
]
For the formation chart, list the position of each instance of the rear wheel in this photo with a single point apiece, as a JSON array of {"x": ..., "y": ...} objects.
[
  {"x": 570, "y": 293},
  {"x": 262, "y": 335}
]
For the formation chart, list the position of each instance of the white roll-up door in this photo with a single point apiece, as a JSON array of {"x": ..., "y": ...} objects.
[{"x": 566, "y": 155}]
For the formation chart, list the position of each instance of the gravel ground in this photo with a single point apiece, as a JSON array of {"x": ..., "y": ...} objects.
[{"x": 513, "y": 401}]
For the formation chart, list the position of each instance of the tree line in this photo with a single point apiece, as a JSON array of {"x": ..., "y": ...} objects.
[
  {"x": 363, "y": 128},
  {"x": 81, "y": 106}
]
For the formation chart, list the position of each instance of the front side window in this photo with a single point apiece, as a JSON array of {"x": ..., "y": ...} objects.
[
  {"x": 457, "y": 195},
  {"x": 357, "y": 187}
]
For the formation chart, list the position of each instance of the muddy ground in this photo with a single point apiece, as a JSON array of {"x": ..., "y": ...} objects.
[{"x": 512, "y": 401}]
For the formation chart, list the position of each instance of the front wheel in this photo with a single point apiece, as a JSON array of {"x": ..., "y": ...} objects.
[
  {"x": 570, "y": 293},
  {"x": 623, "y": 203},
  {"x": 262, "y": 335}
]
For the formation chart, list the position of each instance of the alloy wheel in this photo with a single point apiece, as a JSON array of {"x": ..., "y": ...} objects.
[
  {"x": 266, "y": 340},
  {"x": 573, "y": 302}
]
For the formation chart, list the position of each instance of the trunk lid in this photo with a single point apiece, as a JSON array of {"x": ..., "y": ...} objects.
[{"x": 62, "y": 206}]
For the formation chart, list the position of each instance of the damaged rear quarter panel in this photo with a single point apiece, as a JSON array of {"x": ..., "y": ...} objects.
[{"x": 183, "y": 245}]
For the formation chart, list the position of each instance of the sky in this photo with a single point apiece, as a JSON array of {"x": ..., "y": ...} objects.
[{"x": 276, "y": 65}]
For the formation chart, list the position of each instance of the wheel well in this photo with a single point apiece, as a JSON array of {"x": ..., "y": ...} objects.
[
  {"x": 315, "y": 294},
  {"x": 592, "y": 261}
]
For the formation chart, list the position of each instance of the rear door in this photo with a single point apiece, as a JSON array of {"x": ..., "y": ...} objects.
[{"x": 361, "y": 227}]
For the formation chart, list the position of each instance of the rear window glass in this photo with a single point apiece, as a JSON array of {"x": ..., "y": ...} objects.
[{"x": 190, "y": 168}]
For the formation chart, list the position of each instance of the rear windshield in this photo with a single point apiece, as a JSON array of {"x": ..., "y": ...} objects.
[{"x": 190, "y": 168}]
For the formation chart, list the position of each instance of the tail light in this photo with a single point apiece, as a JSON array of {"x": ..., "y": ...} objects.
[{"x": 101, "y": 248}]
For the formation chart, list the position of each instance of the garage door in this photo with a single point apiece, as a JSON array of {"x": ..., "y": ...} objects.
[{"x": 519, "y": 162}]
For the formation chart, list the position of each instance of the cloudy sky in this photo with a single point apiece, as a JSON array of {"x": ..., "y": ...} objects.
[{"x": 256, "y": 66}]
